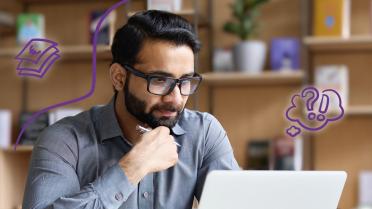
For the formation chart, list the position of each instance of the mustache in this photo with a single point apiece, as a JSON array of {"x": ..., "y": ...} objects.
[{"x": 166, "y": 107}]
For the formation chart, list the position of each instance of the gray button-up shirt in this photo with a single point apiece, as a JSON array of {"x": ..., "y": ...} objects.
[{"x": 75, "y": 164}]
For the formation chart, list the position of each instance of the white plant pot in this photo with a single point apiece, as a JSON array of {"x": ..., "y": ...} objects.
[{"x": 250, "y": 56}]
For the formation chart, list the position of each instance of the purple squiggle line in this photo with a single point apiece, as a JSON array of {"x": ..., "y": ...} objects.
[{"x": 94, "y": 70}]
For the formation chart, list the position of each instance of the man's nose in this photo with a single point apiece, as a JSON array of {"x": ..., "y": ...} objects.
[{"x": 174, "y": 96}]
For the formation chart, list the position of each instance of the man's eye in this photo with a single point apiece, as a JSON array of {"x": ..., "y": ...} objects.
[{"x": 159, "y": 80}]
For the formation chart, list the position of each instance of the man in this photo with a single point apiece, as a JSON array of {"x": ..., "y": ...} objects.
[{"x": 98, "y": 159}]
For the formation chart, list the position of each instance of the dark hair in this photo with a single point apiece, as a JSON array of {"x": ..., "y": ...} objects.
[{"x": 151, "y": 25}]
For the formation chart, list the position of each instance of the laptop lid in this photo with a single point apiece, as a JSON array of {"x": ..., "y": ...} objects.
[{"x": 272, "y": 190}]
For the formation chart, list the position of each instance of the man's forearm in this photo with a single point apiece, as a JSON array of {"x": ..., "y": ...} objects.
[{"x": 56, "y": 190}]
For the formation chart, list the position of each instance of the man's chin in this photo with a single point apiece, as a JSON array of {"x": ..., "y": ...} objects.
[{"x": 164, "y": 121}]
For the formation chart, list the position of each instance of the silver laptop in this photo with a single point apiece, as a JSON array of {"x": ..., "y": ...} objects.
[{"x": 272, "y": 190}]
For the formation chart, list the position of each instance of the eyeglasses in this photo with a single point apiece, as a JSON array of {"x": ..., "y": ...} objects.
[{"x": 162, "y": 85}]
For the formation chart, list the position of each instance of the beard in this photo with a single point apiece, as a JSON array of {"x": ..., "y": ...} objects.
[{"x": 137, "y": 107}]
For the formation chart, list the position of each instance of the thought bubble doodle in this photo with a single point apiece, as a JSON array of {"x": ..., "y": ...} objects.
[{"x": 320, "y": 109}]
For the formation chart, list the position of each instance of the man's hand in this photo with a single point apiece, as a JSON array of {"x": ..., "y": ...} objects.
[{"x": 155, "y": 151}]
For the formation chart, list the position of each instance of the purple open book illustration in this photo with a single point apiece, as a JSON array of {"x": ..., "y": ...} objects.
[{"x": 37, "y": 56}]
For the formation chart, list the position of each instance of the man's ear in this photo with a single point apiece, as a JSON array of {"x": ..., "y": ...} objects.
[{"x": 117, "y": 75}]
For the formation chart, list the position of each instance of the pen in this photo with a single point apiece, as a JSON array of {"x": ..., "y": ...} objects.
[{"x": 143, "y": 130}]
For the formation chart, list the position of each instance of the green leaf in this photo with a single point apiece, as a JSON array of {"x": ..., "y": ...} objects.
[
  {"x": 232, "y": 28},
  {"x": 238, "y": 9},
  {"x": 246, "y": 13}
]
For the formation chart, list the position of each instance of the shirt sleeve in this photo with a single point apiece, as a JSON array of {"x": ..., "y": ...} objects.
[
  {"x": 218, "y": 153},
  {"x": 53, "y": 182}
]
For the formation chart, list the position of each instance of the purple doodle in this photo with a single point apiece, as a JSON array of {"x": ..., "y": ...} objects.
[
  {"x": 317, "y": 109},
  {"x": 93, "y": 83},
  {"x": 36, "y": 57}
]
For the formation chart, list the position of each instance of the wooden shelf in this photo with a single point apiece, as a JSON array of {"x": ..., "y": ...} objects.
[
  {"x": 20, "y": 148},
  {"x": 365, "y": 110},
  {"x": 337, "y": 43},
  {"x": 68, "y": 52},
  {"x": 265, "y": 78}
]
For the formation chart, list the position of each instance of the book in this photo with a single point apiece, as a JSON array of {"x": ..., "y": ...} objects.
[
  {"x": 365, "y": 189},
  {"x": 5, "y": 128},
  {"x": 334, "y": 77},
  {"x": 29, "y": 26},
  {"x": 332, "y": 18},
  {"x": 285, "y": 54},
  {"x": 258, "y": 154},
  {"x": 107, "y": 29}
]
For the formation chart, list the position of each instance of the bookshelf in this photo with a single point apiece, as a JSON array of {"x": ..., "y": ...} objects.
[{"x": 346, "y": 144}]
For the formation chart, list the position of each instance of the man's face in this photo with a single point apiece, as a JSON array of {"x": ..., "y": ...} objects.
[{"x": 165, "y": 59}]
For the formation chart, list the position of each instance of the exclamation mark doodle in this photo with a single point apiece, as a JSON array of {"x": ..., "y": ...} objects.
[{"x": 323, "y": 108}]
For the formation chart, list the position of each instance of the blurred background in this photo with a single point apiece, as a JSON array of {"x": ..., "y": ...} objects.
[{"x": 256, "y": 54}]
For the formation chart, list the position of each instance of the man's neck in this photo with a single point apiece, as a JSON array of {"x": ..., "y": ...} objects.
[{"x": 127, "y": 121}]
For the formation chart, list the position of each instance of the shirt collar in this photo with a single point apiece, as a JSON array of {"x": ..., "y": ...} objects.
[{"x": 108, "y": 126}]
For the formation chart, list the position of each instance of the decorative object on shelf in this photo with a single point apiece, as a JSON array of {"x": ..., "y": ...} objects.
[
  {"x": 107, "y": 30},
  {"x": 29, "y": 26},
  {"x": 285, "y": 54},
  {"x": 61, "y": 113},
  {"x": 165, "y": 5},
  {"x": 249, "y": 55},
  {"x": 5, "y": 128},
  {"x": 332, "y": 18},
  {"x": 365, "y": 190},
  {"x": 222, "y": 60},
  {"x": 34, "y": 129},
  {"x": 334, "y": 77}
]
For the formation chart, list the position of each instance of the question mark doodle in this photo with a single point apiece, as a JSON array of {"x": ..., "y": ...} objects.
[{"x": 310, "y": 101}]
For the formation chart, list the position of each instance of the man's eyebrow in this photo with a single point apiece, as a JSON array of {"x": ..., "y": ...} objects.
[{"x": 156, "y": 72}]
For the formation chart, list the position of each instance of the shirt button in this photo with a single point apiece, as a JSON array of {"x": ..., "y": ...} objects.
[
  {"x": 146, "y": 195},
  {"x": 119, "y": 196}
]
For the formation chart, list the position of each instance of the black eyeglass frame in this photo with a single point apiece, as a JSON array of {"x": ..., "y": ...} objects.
[{"x": 176, "y": 81}]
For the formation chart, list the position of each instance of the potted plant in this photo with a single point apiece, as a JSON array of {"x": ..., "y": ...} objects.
[{"x": 249, "y": 55}]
